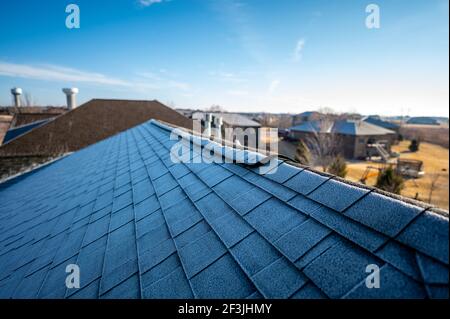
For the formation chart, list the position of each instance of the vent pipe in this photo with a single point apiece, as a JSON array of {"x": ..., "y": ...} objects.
[
  {"x": 208, "y": 121},
  {"x": 218, "y": 121},
  {"x": 71, "y": 100},
  {"x": 16, "y": 92}
]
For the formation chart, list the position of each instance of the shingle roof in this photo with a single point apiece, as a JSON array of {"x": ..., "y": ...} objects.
[
  {"x": 310, "y": 127},
  {"x": 140, "y": 226},
  {"x": 23, "y": 118},
  {"x": 5, "y": 122},
  {"x": 14, "y": 132},
  {"x": 359, "y": 128},
  {"x": 88, "y": 124},
  {"x": 345, "y": 127},
  {"x": 382, "y": 123}
]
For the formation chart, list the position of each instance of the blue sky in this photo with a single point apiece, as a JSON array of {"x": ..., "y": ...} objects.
[{"x": 245, "y": 55}]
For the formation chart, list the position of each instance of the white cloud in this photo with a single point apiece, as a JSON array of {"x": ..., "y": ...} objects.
[
  {"x": 147, "y": 3},
  {"x": 237, "y": 92},
  {"x": 227, "y": 77},
  {"x": 163, "y": 80},
  {"x": 297, "y": 56},
  {"x": 273, "y": 86},
  {"x": 143, "y": 82},
  {"x": 57, "y": 73}
]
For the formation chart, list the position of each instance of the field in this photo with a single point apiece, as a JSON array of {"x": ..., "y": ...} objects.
[
  {"x": 436, "y": 134},
  {"x": 436, "y": 165}
]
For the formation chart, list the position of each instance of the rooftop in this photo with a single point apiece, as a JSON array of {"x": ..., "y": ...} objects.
[
  {"x": 88, "y": 124},
  {"x": 140, "y": 226},
  {"x": 345, "y": 127}
]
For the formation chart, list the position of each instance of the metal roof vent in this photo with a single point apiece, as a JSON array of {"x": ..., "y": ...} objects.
[
  {"x": 71, "y": 100},
  {"x": 16, "y": 92}
]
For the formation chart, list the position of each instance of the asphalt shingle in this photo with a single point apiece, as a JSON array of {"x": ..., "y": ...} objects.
[
  {"x": 305, "y": 182},
  {"x": 142, "y": 226},
  {"x": 385, "y": 215}
]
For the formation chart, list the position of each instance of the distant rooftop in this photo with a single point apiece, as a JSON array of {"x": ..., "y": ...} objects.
[
  {"x": 345, "y": 127},
  {"x": 140, "y": 226},
  {"x": 376, "y": 120},
  {"x": 232, "y": 119}
]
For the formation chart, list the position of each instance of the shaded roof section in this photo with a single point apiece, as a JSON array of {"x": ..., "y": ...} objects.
[
  {"x": 376, "y": 120},
  {"x": 232, "y": 119},
  {"x": 140, "y": 226},
  {"x": 14, "y": 132},
  {"x": 312, "y": 127},
  {"x": 29, "y": 114},
  {"x": 88, "y": 124},
  {"x": 423, "y": 120},
  {"x": 5, "y": 122},
  {"x": 345, "y": 127}
]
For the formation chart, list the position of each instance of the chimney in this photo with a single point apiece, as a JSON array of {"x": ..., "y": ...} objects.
[
  {"x": 70, "y": 94},
  {"x": 16, "y": 92}
]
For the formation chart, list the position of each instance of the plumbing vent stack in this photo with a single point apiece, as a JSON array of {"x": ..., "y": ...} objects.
[
  {"x": 218, "y": 123},
  {"x": 70, "y": 95},
  {"x": 208, "y": 121},
  {"x": 16, "y": 92}
]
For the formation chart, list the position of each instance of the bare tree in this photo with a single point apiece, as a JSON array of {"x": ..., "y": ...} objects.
[
  {"x": 27, "y": 99},
  {"x": 323, "y": 143},
  {"x": 215, "y": 108},
  {"x": 434, "y": 177}
]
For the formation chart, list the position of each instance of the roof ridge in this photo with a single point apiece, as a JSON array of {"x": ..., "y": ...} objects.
[{"x": 436, "y": 210}]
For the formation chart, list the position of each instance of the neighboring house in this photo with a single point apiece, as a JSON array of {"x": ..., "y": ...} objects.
[
  {"x": 306, "y": 117},
  {"x": 376, "y": 120},
  {"x": 423, "y": 121},
  {"x": 232, "y": 120},
  {"x": 139, "y": 225},
  {"x": 85, "y": 125},
  {"x": 355, "y": 139}
]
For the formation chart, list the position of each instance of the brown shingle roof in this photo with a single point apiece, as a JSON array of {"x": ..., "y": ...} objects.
[
  {"x": 90, "y": 123},
  {"x": 5, "y": 121},
  {"x": 21, "y": 119}
]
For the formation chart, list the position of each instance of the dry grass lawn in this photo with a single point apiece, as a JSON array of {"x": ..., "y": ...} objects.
[{"x": 436, "y": 162}]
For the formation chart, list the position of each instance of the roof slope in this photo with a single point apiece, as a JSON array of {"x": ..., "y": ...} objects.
[
  {"x": 88, "y": 124},
  {"x": 5, "y": 122},
  {"x": 345, "y": 127},
  {"x": 375, "y": 120},
  {"x": 14, "y": 132},
  {"x": 21, "y": 119},
  {"x": 311, "y": 127},
  {"x": 359, "y": 128},
  {"x": 140, "y": 226}
]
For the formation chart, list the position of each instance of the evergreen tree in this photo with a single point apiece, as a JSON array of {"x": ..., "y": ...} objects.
[
  {"x": 303, "y": 155},
  {"x": 338, "y": 167},
  {"x": 414, "y": 146},
  {"x": 390, "y": 181}
]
